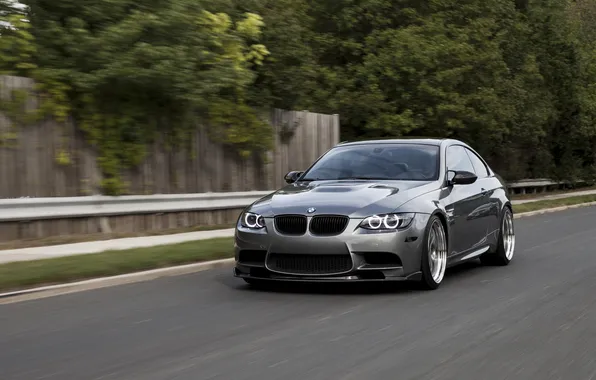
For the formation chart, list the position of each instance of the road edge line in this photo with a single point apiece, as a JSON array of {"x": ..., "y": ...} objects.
[{"x": 135, "y": 277}]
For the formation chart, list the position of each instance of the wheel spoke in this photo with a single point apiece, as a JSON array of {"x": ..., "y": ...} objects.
[
  {"x": 508, "y": 235},
  {"x": 437, "y": 251},
  {"x": 431, "y": 263}
]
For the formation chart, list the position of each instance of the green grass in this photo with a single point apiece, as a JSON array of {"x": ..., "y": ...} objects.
[
  {"x": 21, "y": 275},
  {"x": 552, "y": 203},
  {"x": 26, "y": 274}
]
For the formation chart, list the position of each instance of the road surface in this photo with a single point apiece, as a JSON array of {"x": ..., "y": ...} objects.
[{"x": 535, "y": 319}]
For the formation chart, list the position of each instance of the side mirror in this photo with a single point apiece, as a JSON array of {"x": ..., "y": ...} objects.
[
  {"x": 292, "y": 176},
  {"x": 460, "y": 177}
]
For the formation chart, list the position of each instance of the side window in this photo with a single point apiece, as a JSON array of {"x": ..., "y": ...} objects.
[
  {"x": 457, "y": 159},
  {"x": 479, "y": 167}
]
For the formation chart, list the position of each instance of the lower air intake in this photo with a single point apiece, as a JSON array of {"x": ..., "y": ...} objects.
[{"x": 306, "y": 264}]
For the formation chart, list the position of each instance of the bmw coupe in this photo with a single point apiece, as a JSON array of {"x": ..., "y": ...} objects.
[{"x": 378, "y": 211}]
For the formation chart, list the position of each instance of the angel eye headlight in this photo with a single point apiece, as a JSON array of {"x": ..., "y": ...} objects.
[
  {"x": 252, "y": 221},
  {"x": 387, "y": 222}
]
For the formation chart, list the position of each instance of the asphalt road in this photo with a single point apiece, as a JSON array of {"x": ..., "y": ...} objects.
[{"x": 535, "y": 319}]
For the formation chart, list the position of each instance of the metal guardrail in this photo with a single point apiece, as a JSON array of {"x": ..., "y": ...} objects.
[
  {"x": 28, "y": 209},
  {"x": 540, "y": 182},
  {"x": 537, "y": 185}
]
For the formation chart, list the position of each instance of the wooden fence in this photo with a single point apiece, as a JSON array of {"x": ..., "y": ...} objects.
[{"x": 28, "y": 164}]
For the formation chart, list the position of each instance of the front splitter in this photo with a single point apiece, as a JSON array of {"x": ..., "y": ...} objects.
[{"x": 322, "y": 279}]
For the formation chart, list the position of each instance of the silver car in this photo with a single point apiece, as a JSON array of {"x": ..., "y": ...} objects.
[{"x": 378, "y": 211}]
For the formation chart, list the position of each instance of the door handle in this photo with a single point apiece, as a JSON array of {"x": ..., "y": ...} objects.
[{"x": 484, "y": 191}]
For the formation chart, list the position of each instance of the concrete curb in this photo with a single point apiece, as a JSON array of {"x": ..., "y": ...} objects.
[
  {"x": 103, "y": 282},
  {"x": 554, "y": 209}
]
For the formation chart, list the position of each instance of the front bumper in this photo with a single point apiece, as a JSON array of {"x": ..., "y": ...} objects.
[{"x": 365, "y": 255}]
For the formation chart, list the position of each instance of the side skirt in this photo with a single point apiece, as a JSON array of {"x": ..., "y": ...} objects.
[{"x": 467, "y": 256}]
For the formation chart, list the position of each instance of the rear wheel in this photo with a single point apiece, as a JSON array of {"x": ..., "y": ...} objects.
[
  {"x": 506, "y": 242},
  {"x": 434, "y": 254}
]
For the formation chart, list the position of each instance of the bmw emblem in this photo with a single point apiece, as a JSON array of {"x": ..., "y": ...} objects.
[{"x": 311, "y": 210}]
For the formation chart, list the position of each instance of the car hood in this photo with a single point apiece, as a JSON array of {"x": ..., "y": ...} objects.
[{"x": 352, "y": 198}]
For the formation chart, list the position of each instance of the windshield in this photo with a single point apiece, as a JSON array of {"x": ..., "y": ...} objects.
[{"x": 405, "y": 162}]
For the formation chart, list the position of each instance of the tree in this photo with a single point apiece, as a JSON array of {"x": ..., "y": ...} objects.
[
  {"x": 17, "y": 45},
  {"x": 288, "y": 75},
  {"x": 133, "y": 68},
  {"x": 444, "y": 68},
  {"x": 582, "y": 14},
  {"x": 516, "y": 79},
  {"x": 504, "y": 76}
]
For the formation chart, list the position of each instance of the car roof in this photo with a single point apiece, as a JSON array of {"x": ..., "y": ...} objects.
[{"x": 427, "y": 141}]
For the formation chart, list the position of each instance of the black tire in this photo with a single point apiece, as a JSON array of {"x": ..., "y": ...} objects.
[
  {"x": 428, "y": 282},
  {"x": 499, "y": 256}
]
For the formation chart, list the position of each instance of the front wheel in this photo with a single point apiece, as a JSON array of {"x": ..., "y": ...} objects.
[
  {"x": 506, "y": 243},
  {"x": 434, "y": 254}
]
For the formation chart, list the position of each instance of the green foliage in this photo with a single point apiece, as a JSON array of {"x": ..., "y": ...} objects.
[
  {"x": 14, "y": 107},
  {"x": 517, "y": 79},
  {"x": 127, "y": 71},
  {"x": 288, "y": 77},
  {"x": 514, "y": 78},
  {"x": 54, "y": 99},
  {"x": 17, "y": 45},
  {"x": 63, "y": 158}
]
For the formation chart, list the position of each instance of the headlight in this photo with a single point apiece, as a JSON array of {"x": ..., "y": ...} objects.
[
  {"x": 252, "y": 221},
  {"x": 387, "y": 222}
]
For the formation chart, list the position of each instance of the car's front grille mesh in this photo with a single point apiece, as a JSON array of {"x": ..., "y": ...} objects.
[
  {"x": 290, "y": 224},
  {"x": 328, "y": 224},
  {"x": 309, "y": 263}
]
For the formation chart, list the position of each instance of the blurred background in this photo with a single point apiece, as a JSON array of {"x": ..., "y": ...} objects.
[
  {"x": 131, "y": 78},
  {"x": 128, "y": 97},
  {"x": 159, "y": 121}
]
